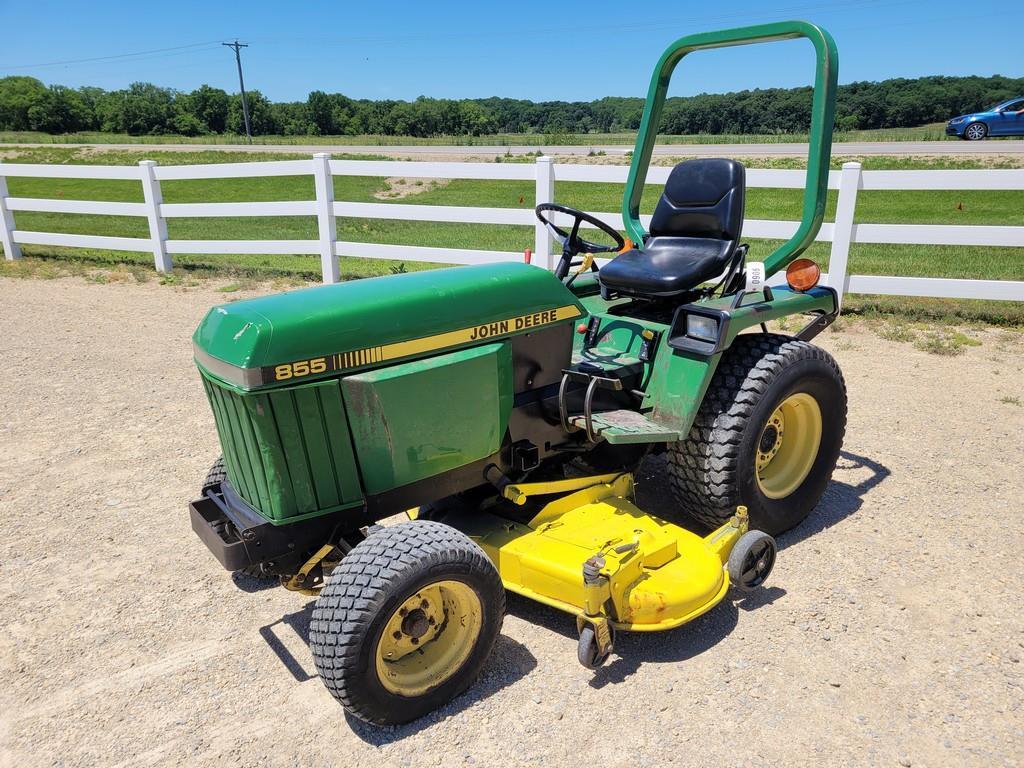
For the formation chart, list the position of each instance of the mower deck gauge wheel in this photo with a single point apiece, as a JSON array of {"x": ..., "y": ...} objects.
[
  {"x": 751, "y": 560},
  {"x": 587, "y": 651}
]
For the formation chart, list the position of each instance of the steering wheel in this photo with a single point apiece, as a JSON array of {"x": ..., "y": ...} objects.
[{"x": 571, "y": 242}]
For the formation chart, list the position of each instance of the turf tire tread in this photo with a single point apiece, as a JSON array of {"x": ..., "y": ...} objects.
[
  {"x": 703, "y": 467},
  {"x": 362, "y": 582}
]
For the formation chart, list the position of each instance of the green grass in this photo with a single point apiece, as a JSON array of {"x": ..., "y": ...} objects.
[
  {"x": 942, "y": 311},
  {"x": 933, "y": 131},
  {"x": 937, "y": 339},
  {"x": 945, "y": 341},
  {"x": 897, "y": 331},
  {"x": 925, "y": 207}
]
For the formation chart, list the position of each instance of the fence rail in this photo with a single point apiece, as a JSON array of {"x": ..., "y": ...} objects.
[{"x": 841, "y": 233}]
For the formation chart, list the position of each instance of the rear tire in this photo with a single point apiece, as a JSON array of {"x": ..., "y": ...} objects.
[
  {"x": 406, "y": 621},
  {"x": 736, "y": 452}
]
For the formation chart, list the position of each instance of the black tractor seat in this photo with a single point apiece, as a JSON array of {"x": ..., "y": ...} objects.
[{"x": 695, "y": 232}]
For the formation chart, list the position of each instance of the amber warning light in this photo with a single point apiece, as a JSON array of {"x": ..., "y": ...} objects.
[{"x": 803, "y": 274}]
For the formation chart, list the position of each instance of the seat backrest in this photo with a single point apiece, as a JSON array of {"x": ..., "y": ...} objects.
[{"x": 702, "y": 198}]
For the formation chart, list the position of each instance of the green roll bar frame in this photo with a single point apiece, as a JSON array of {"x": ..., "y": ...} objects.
[{"x": 823, "y": 111}]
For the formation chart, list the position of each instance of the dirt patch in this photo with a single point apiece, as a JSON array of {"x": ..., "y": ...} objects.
[
  {"x": 399, "y": 187},
  {"x": 608, "y": 155},
  {"x": 623, "y": 155},
  {"x": 890, "y": 632}
]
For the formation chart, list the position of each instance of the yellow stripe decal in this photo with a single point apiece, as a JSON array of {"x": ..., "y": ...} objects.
[
  {"x": 369, "y": 355},
  {"x": 477, "y": 333}
]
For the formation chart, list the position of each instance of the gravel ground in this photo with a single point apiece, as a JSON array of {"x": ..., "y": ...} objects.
[{"x": 891, "y": 632}]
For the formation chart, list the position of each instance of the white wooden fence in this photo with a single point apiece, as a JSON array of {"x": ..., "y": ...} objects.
[{"x": 841, "y": 233}]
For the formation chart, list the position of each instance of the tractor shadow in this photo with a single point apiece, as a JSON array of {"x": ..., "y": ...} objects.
[
  {"x": 509, "y": 662},
  {"x": 253, "y": 584},
  {"x": 298, "y": 624},
  {"x": 634, "y": 649},
  {"x": 840, "y": 500}
]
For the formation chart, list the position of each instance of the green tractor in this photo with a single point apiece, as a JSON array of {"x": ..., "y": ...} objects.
[{"x": 505, "y": 408}]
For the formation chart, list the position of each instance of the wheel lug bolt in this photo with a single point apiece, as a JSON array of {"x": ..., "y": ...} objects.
[
  {"x": 415, "y": 641},
  {"x": 397, "y": 635},
  {"x": 424, "y": 604}
]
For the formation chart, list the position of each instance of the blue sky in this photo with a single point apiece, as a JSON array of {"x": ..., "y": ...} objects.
[{"x": 572, "y": 49}]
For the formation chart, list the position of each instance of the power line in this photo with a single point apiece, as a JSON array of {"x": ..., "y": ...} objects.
[
  {"x": 167, "y": 61},
  {"x": 490, "y": 35},
  {"x": 237, "y": 46},
  {"x": 111, "y": 57}
]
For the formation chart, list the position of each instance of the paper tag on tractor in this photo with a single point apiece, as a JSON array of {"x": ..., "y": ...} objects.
[{"x": 755, "y": 276}]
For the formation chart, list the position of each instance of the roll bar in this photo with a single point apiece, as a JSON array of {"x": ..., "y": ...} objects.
[{"x": 823, "y": 110}]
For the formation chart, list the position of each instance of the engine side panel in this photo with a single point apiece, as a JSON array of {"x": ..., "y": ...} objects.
[{"x": 416, "y": 420}]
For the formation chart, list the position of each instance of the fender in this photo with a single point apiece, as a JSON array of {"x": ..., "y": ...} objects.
[{"x": 684, "y": 365}]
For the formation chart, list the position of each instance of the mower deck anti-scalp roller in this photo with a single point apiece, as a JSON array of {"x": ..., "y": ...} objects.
[{"x": 506, "y": 408}]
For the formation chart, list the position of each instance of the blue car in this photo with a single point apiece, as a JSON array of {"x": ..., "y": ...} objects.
[{"x": 1003, "y": 119}]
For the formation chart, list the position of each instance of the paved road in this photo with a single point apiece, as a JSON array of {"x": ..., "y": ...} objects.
[{"x": 951, "y": 147}]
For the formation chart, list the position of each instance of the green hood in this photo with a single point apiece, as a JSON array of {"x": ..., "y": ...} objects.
[{"x": 318, "y": 332}]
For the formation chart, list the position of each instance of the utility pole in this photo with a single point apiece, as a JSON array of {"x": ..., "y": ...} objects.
[{"x": 236, "y": 46}]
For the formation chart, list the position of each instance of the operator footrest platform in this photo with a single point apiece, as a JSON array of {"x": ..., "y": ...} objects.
[
  {"x": 625, "y": 426},
  {"x": 616, "y": 426}
]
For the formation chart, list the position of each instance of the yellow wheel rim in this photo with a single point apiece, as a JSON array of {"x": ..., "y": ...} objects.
[
  {"x": 788, "y": 445},
  {"x": 428, "y": 638}
]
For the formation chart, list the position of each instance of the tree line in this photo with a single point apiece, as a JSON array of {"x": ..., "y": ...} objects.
[{"x": 26, "y": 104}]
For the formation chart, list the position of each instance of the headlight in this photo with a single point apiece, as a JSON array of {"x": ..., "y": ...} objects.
[
  {"x": 701, "y": 327},
  {"x": 957, "y": 120}
]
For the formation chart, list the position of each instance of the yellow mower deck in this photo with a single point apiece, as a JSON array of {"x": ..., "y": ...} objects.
[{"x": 591, "y": 552}]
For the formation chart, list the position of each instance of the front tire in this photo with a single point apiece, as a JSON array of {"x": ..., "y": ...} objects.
[
  {"x": 406, "y": 621},
  {"x": 767, "y": 435},
  {"x": 975, "y": 131},
  {"x": 218, "y": 474}
]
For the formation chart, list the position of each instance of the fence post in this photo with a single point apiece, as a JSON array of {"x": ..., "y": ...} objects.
[
  {"x": 12, "y": 250},
  {"x": 842, "y": 232},
  {"x": 157, "y": 223},
  {"x": 545, "y": 194},
  {"x": 327, "y": 226}
]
